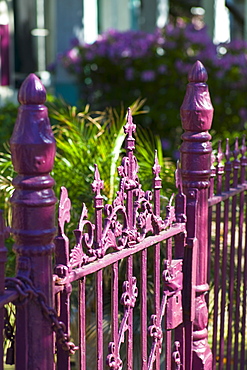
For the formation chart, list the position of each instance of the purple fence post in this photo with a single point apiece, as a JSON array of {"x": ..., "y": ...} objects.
[
  {"x": 33, "y": 204},
  {"x": 4, "y": 54},
  {"x": 3, "y": 258},
  {"x": 196, "y": 149}
]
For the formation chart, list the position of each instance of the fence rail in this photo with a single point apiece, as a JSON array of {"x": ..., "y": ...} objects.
[{"x": 228, "y": 252}]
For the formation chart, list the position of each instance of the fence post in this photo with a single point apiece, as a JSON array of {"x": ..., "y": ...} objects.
[
  {"x": 33, "y": 204},
  {"x": 3, "y": 259},
  {"x": 196, "y": 115}
]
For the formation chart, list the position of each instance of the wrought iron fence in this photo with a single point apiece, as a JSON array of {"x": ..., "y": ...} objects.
[{"x": 140, "y": 281}]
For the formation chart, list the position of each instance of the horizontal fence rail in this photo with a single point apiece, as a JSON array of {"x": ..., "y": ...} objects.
[{"x": 228, "y": 257}]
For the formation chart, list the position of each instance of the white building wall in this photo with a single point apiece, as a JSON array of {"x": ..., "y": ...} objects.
[{"x": 114, "y": 14}]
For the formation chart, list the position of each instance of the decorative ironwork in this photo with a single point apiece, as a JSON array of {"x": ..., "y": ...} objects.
[
  {"x": 117, "y": 233},
  {"x": 176, "y": 356},
  {"x": 128, "y": 300},
  {"x": 172, "y": 280},
  {"x": 63, "y": 210}
]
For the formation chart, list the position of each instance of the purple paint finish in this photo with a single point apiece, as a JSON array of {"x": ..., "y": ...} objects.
[
  {"x": 3, "y": 259},
  {"x": 230, "y": 252},
  {"x": 196, "y": 114},
  {"x": 128, "y": 220},
  {"x": 33, "y": 204},
  {"x": 61, "y": 270},
  {"x": 132, "y": 224},
  {"x": 230, "y": 345},
  {"x": 4, "y": 55}
]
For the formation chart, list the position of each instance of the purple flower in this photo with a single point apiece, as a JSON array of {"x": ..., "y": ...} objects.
[
  {"x": 73, "y": 55},
  {"x": 162, "y": 69},
  {"x": 147, "y": 75},
  {"x": 129, "y": 74},
  {"x": 243, "y": 114},
  {"x": 182, "y": 67},
  {"x": 166, "y": 144},
  {"x": 170, "y": 44},
  {"x": 217, "y": 100},
  {"x": 74, "y": 42}
]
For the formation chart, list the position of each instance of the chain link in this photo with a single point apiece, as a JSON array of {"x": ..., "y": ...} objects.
[{"x": 26, "y": 290}]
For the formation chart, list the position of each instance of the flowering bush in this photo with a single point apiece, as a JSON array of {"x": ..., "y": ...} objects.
[{"x": 121, "y": 66}]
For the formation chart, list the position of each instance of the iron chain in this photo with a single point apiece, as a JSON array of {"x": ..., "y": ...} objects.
[{"x": 26, "y": 290}]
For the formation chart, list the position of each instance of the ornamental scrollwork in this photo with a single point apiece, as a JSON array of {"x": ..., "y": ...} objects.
[
  {"x": 128, "y": 300},
  {"x": 63, "y": 210},
  {"x": 129, "y": 218},
  {"x": 84, "y": 235}
]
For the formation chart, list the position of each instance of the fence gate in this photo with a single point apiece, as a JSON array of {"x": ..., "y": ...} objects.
[{"x": 138, "y": 279}]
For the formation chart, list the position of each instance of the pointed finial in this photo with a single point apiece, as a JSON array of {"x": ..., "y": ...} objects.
[
  {"x": 197, "y": 110},
  {"x": 178, "y": 177},
  {"x": 198, "y": 73},
  {"x": 236, "y": 149},
  {"x": 97, "y": 184},
  {"x": 32, "y": 91},
  {"x": 227, "y": 153},
  {"x": 130, "y": 127},
  {"x": 157, "y": 184},
  {"x": 156, "y": 166},
  {"x": 243, "y": 147},
  {"x": 219, "y": 153}
]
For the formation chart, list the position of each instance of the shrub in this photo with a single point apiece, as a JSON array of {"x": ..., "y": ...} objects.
[
  {"x": 121, "y": 66},
  {"x": 8, "y": 114}
]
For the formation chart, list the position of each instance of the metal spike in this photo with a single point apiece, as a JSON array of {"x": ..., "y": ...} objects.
[{"x": 97, "y": 184}]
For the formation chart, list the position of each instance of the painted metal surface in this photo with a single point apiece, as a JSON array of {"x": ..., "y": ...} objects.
[
  {"x": 132, "y": 224},
  {"x": 33, "y": 210},
  {"x": 228, "y": 213},
  {"x": 196, "y": 115},
  {"x": 173, "y": 253},
  {"x": 3, "y": 259},
  {"x": 4, "y": 55}
]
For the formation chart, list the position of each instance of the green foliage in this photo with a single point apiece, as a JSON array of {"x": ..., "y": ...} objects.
[
  {"x": 87, "y": 138},
  {"x": 8, "y": 114}
]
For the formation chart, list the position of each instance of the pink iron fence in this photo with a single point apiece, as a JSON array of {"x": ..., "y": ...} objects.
[
  {"x": 140, "y": 279},
  {"x": 228, "y": 247},
  {"x": 4, "y": 54}
]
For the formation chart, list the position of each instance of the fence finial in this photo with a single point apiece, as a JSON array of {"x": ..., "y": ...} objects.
[
  {"x": 33, "y": 209},
  {"x": 198, "y": 73},
  {"x": 197, "y": 110},
  {"x": 32, "y": 91}
]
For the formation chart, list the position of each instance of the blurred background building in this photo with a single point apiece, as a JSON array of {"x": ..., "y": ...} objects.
[{"x": 33, "y": 33}]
